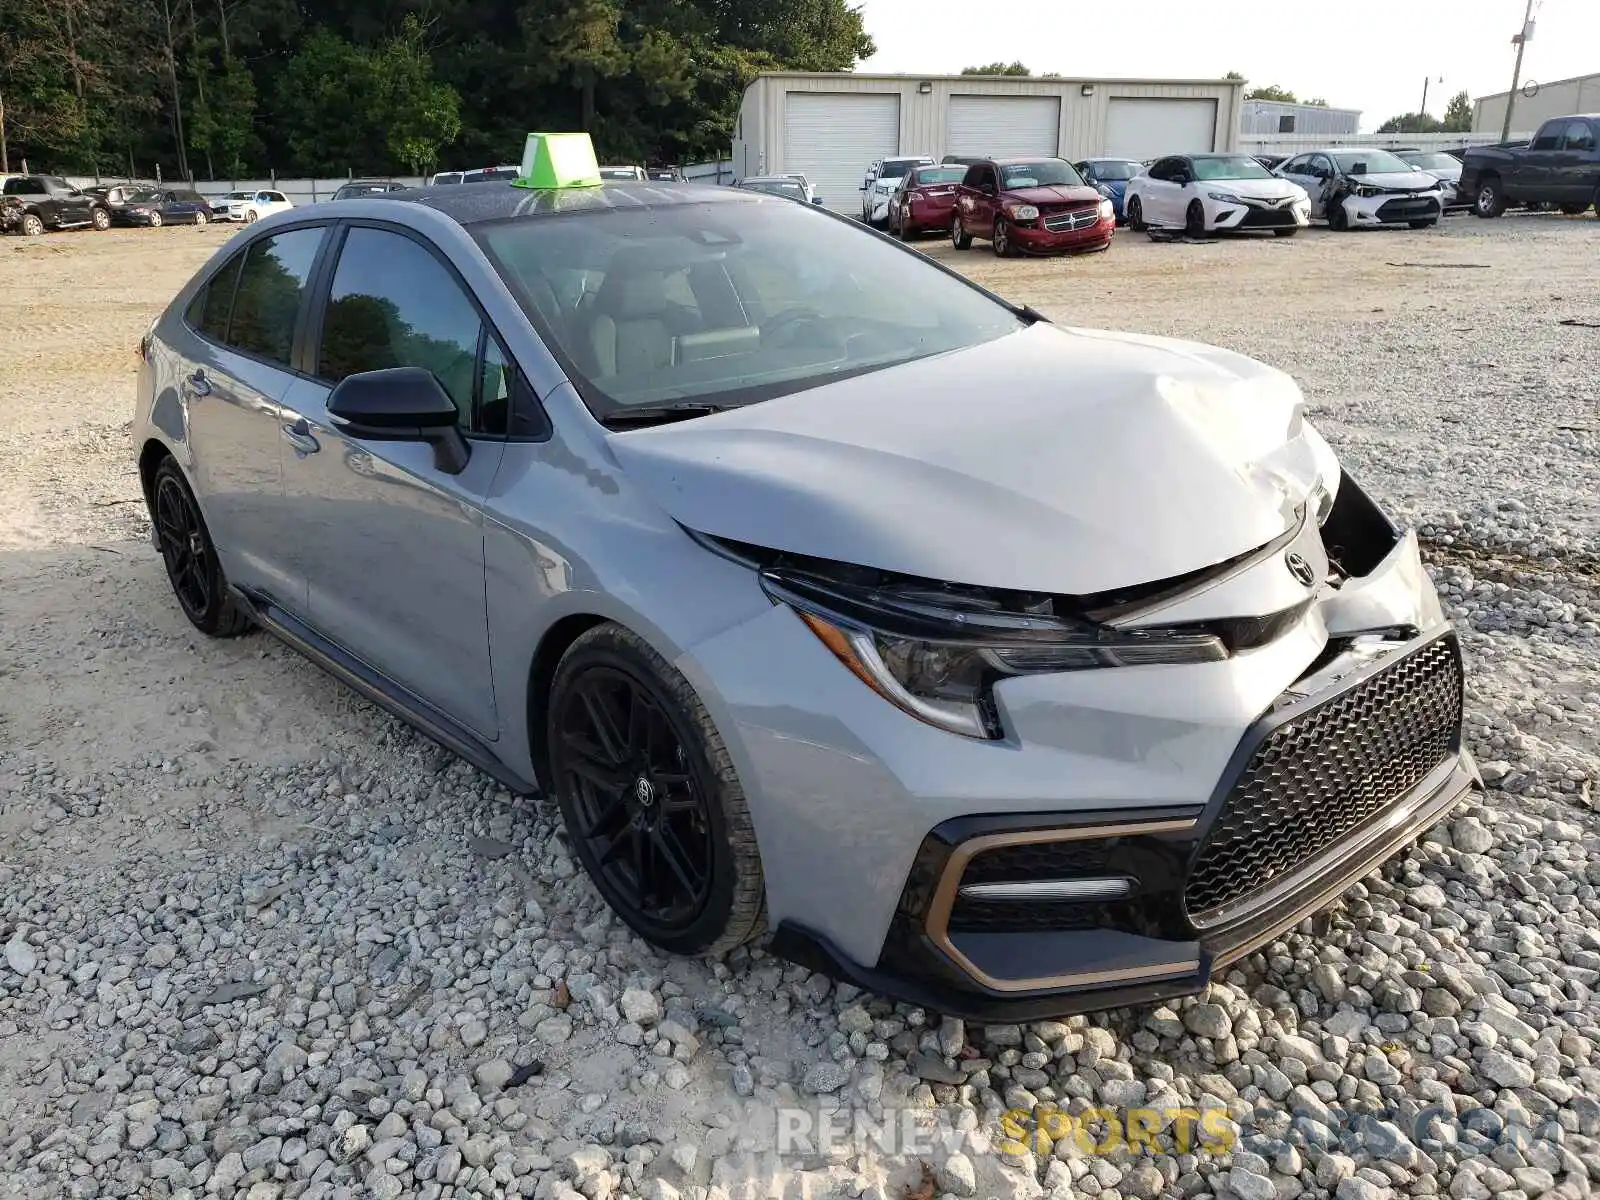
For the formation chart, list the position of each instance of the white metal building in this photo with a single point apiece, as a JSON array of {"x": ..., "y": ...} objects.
[
  {"x": 1537, "y": 103},
  {"x": 1261, "y": 117},
  {"x": 831, "y": 126}
]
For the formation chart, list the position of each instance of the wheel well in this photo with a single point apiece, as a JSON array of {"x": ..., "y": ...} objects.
[
  {"x": 556, "y": 640},
  {"x": 149, "y": 459}
]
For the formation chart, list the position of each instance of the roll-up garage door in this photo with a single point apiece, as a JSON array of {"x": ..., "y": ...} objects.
[
  {"x": 1145, "y": 129},
  {"x": 832, "y": 137},
  {"x": 1005, "y": 126}
]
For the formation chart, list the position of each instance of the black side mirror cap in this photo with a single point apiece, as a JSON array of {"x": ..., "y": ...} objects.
[{"x": 400, "y": 404}]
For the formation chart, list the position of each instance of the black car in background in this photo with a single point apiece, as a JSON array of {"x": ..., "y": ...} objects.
[
  {"x": 31, "y": 204},
  {"x": 155, "y": 207},
  {"x": 367, "y": 187}
]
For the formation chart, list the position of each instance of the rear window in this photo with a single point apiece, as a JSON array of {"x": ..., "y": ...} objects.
[
  {"x": 927, "y": 175},
  {"x": 735, "y": 302}
]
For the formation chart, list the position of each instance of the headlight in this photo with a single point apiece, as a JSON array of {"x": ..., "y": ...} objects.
[
  {"x": 1022, "y": 212},
  {"x": 1225, "y": 197},
  {"x": 1366, "y": 193},
  {"x": 936, "y": 653},
  {"x": 1108, "y": 211}
]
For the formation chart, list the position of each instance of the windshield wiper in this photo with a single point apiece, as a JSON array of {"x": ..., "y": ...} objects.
[{"x": 659, "y": 414}]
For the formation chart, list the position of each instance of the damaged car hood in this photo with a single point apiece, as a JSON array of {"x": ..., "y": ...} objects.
[
  {"x": 1050, "y": 459},
  {"x": 1394, "y": 181}
]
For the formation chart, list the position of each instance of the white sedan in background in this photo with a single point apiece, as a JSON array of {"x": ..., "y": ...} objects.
[
  {"x": 1200, "y": 193},
  {"x": 252, "y": 206}
]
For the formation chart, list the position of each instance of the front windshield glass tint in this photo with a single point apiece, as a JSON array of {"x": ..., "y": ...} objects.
[
  {"x": 728, "y": 303},
  {"x": 1044, "y": 173},
  {"x": 930, "y": 175},
  {"x": 1115, "y": 172},
  {"x": 1370, "y": 162},
  {"x": 1231, "y": 166}
]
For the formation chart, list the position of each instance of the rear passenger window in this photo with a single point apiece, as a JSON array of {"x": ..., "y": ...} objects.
[
  {"x": 209, "y": 311},
  {"x": 271, "y": 285},
  {"x": 393, "y": 304}
]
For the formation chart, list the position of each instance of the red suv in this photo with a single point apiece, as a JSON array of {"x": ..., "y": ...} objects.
[{"x": 1031, "y": 205}]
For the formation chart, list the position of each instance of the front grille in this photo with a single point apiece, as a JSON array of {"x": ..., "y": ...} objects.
[
  {"x": 1320, "y": 774},
  {"x": 1065, "y": 222},
  {"x": 1407, "y": 208},
  {"x": 1266, "y": 218},
  {"x": 1025, "y": 916}
]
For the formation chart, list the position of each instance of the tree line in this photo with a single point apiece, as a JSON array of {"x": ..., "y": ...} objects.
[{"x": 235, "y": 88}]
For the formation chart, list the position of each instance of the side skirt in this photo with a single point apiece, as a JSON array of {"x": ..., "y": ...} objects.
[{"x": 383, "y": 691}]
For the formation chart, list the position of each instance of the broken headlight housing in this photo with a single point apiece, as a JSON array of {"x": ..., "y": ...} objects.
[{"x": 936, "y": 652}]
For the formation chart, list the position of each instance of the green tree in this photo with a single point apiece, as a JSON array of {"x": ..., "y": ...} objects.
[
  {"x": 324, "y": 105},
  {"x": 1458, "y": 114},
  {"x": 997, "y": 68},
  {"x": 1271, "y": 92},
  {"x": 418, "y": 114},
  {"x": 1317, "y": 102},
  {"x": 1411, "y": 123},
  {"x": 584, "y": 45},
  {"x": 1235, "y": 76}
]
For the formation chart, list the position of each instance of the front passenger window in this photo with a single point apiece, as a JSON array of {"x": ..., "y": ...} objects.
[
  {"x": 393, "y": 304},
  {"x": 1579, "y": 136}
]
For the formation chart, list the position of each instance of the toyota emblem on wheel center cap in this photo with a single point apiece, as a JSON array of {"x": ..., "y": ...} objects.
[
  {"x": 1300, "y": 568},
  {"x": 644, "y": 792}
]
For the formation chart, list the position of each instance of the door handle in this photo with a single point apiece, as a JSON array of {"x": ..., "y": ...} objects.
[
  {"x": 197, "y": 384},
  {"x": 298, "y": 434}
]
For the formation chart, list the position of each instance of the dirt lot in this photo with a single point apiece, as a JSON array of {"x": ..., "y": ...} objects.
[{"x": 1456, "y": 370}]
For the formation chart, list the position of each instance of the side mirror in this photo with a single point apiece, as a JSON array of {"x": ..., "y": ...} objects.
[
  {"x": 400, "y": 404},
  {"x": 816, "y": 200}
]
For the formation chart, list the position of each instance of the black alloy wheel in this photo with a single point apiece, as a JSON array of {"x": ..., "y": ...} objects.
[
  {"x": 1338, "y": 219},
  {"x": 190, "y": 558},
  {"x": 1194, "y": 222},
  {"x": 1133, "y": 207},
  {"x": 650, "y": 802}
]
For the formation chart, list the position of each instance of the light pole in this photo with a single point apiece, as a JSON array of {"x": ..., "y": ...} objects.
[
  {"x": 1520, "y": 41},
  {"x": 1422, "y": 112}
]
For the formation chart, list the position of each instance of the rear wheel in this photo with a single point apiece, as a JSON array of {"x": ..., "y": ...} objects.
[
  {"x": 959, "y": 237},
  {"x": 1135, "y": 210},
  {"x": 1491, "y": 200},
  {"x": 1194, "y": 220},
  {"x": 100, "y": 219},
  {"x": 651, "y": 802},
  {"x": 251, "y": 217},
  {"x": 32, "y": 224},
  {"x": 191, "y": 558}
]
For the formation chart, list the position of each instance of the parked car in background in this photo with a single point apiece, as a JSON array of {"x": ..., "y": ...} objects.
[
  {"x": 622, "y": 172},
  {"x": 665, "y": 174},
  {"x": 155, "y": 207},
  {"x": 1561, "y": 166},
  {"x": 115, "y": 195},
  {"x": 961, "y": 160},
  {"x": 367, "y": 187},
  {"x": 1000, "y": 667},
  {"x": 1202, "y": 193},
  {"x": 786, "y": 186},
  {"x": 1109, "y": 176},
  {"x": 1352, "y": 189},
  {"x": 1446, "y": 168},
  {"x": 259, "y": 204},
  {"x": 883, "y": 177},
  {"x": 1031, "y": 206},
  {"x": 925, "y": 201},
  {"x": 221, "y": 204},
  {"x": 31, "y": 204},
  {"x": 1269, "y": 161},
  {"x": 476, "y": 175}
]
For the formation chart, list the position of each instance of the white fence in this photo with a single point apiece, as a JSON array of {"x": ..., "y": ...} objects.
[
  {"x": 1288, "y": 143},
  {"x": 309, "y": 191}
]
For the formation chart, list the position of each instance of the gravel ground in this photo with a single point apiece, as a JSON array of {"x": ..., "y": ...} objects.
[{"x": 258, "y": 940}]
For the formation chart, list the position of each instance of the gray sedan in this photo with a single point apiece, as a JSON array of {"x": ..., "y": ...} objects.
[{"x": 1011, "y": 669}]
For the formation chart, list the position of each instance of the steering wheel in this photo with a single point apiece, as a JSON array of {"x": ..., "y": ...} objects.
[{"x": 782, "y": 326}]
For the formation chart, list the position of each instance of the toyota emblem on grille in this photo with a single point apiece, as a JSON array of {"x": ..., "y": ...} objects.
[{"x": 1299, "y": 568}]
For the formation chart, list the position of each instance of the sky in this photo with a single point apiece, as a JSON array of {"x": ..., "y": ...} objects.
[{"x": 1375, "y": 62}]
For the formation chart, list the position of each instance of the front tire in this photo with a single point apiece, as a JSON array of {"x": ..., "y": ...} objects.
[
  {"x": 1135, "y": 211},
  {"x": 1491, "y": 200},
  {"x": 100, "y": 219},
  {"x": 202, "y": 217},
  {"x": 191, "y": 558},
  {"x": 1194, "y": 220},
  {"x": 1001, "y": 239},
  {"x": 959, "y": 237},
  {"x": 157, "y": 220},
  {"x": 251, "y": 217},
  {"x": 652, "y": 805},
  {"x": 32, "y": 224},
  {"x": 1338, "y": 219}
]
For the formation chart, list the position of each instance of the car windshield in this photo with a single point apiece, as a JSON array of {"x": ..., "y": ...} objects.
[
  {"x": 618, "y": 173},
  {"x": 1370, "y": 162},
  {"x": 1115, "y": 172},
  {"x": 362, "y": 189},
  {"x": 928, "y": 175},
  {"x": 729, "y": 303},
  {"x": 1433, "y": 162},
  {"x": 778, "y": 187},
  {"x": 895, "y": 168},
  {"x": 1045, "y": 172},
  {"x": 1229, "y": 166}
]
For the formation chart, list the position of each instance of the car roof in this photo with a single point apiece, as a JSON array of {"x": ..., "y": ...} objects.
[
  {"x": 1019, "y": 159},
  {"x": 795, "y": 179},
  {"x": 471, "y": 203}
]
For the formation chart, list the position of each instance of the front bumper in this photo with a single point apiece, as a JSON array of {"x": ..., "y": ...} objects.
[
  {"x": 1036, "y": 238},
  {"x": 1393, "y": 208},
  {"x": 1222, "y": 214}
]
